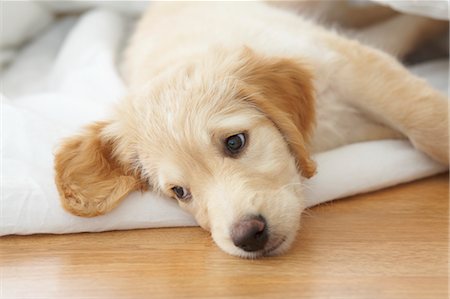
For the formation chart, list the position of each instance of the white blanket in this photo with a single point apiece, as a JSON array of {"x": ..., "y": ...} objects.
[
  {"x": 436, "y": 9},
  {"x": 67, "y": 77}
]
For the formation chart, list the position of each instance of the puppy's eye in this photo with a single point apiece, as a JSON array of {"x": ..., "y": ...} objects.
[
  {"x": 234, "y": 144},
  {"x": 181, "y": 193}
]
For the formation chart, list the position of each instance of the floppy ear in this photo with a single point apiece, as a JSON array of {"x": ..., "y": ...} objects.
[
  {"x": 90, "y": 180},
  {"x": 282, "y": 88}
]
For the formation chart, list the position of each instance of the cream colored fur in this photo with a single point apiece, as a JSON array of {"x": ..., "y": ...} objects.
[{"x": 201, "y": 72}]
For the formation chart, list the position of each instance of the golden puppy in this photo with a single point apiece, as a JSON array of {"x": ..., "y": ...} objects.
[{"x": 226, "y": 104}]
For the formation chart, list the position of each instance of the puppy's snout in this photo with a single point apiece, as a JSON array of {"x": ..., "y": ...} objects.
[{"x": 250, "y": 234}]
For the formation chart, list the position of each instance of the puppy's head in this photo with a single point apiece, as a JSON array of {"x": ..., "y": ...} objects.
[{"x": 226, "y": 137}]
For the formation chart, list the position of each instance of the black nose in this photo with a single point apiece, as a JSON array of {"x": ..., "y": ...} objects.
[{"x": 250, "y": 233}]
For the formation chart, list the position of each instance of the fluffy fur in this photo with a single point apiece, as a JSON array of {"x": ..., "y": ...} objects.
[{"x": 201, "y": 72}]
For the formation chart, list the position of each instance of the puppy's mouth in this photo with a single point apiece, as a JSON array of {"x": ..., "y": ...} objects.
[{"x": 271, "y": 249}]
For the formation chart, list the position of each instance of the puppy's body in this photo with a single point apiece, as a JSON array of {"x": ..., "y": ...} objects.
[
  {"x": 202, "y": 74},
  {"x": 180, "y": 35}
]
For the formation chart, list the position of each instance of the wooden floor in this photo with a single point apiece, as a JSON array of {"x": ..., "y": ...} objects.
[{"x": 388, "y": 244}]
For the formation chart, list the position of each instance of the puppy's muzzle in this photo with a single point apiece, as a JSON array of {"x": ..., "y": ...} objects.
[{"x": 250, "y": 233}]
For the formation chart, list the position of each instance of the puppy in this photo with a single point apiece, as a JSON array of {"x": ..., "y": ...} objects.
[{"x": 226, "y": 104}]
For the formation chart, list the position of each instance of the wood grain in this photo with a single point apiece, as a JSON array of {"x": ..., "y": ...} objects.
[{"x": 387, "y": 244}]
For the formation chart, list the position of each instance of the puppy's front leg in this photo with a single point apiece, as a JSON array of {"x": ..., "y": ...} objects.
[{"x": 380, "y": 86}]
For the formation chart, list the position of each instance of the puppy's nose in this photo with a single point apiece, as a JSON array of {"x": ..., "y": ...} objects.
[{"x": 250, "y": 233}]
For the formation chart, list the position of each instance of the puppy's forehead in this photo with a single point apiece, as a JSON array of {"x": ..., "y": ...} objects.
[
  {"x": 192, "y": 107},
  {"x": 176, "y": 114}
]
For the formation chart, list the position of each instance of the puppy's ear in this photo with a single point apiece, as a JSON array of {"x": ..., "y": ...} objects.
[
  {"x": 282, "y": 88},
  {"x": 90, "y": 179}
]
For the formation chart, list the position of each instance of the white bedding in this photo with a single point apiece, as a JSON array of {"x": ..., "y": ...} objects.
[
  {"x": 436, "y": 9},
  {"x": 55, "y": 84}
]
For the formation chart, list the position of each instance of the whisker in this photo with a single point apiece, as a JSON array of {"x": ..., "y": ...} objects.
[
  {"x": 307, "y": 187},
  {"x": 286, "y": 185},
  {"x": 308, "y": 212}
]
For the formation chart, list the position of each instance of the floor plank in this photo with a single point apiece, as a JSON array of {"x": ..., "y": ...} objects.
[{"x": 388, "y": 244}]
